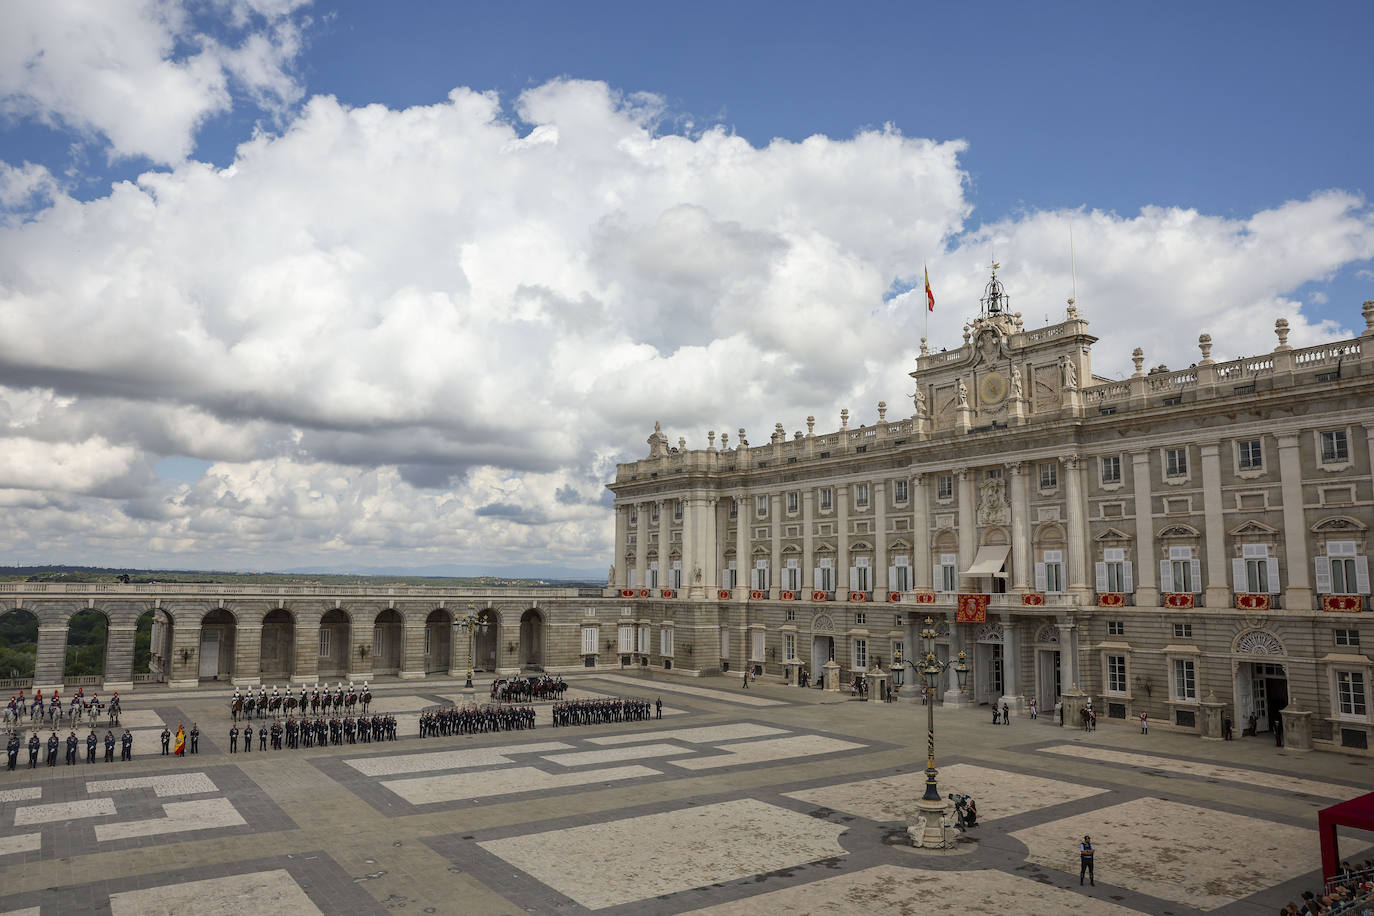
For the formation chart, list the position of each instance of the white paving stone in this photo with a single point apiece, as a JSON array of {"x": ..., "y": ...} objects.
[
  {"x": 451, "y": 760},
  {"x": 1207, "y": 770},
  {"x": 887, "y": 889},
  {"x": 395, "y": 704},
  {"x": 162, "y": 786},
  {"x": 141, "y": 718},
  {"x": 603, "y": 865},
  {"x": 426, "y": 790},
  {"x": 236, "y": 895},
  {"x": 769, "y": 749},
  {"x": 998, "y": 793},
  {"x": 1197, "y": 856},
  {"x": 25, "y": 794},
  {"x": 615, "y": 754},
  {"x": 20, "y": 842},
  {"x": 30, "y": 911},
  {"x": 203, "y": 814},
  {"x": 706, "y": 734},
  {"x": 743, "y": 698},
  {"x": 63, "y": 811}
]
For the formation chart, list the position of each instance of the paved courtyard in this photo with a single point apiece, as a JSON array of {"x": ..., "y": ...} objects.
[{"x": 771, "y": 800}]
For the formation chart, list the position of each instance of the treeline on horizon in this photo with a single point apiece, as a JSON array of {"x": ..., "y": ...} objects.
[{"x": 98, "y": 574}]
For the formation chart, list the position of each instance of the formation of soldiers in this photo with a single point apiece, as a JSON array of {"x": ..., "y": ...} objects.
[
  {"x": 53, "y": 710},
  {"x": 319, "y": 732},
  {"x": 35, "y": 746},
  {"x": 527, "y": 689},
  {"x": 599, "y": 712},
  {"x": 437, "y": 721},
  {"x": 314, "y": 701}
]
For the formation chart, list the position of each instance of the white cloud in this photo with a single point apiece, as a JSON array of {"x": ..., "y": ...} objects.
[
  {"x": 140, "y": 74},
  {"x": 427, "y": 335}
]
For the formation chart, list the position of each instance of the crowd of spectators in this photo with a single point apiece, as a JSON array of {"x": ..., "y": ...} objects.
[{"x": 1351, "y": 891}]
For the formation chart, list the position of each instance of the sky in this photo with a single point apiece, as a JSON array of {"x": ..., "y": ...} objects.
[{"x": 297, "y": 285}]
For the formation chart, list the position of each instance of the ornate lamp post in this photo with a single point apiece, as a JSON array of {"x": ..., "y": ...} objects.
[
  {"x": 931, "y": 805},
  {"x": 472, "y": 624}
]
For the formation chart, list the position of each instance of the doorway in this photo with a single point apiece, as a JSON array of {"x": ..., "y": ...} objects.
[
  {"x": 1261, "y": 693},
  {"x": 990, "y": 680},
  {"x": 1047, "y": 679}
]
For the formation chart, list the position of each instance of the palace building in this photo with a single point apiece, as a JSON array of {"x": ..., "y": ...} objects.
[{"x": 1191, "y": 543}]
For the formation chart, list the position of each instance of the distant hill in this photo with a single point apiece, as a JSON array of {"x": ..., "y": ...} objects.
[{"x": 425, "y": 575}]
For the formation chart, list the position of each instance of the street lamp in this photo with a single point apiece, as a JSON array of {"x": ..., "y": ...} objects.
[
  {"x": 473, "y": 624},
  {"x": 931, "y": 804}
]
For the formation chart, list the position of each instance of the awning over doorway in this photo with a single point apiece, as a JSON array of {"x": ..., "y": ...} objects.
[{"x": 989, "y": 561}]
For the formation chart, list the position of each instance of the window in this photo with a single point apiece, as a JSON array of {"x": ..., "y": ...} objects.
[
  {"x": 626, "y": 639},
  {"x": 1341, "y": 571},
  {"x": 589, "y": 640},
  {"x": 1049, "y": 476},
  {"x": 1180, "y": 574},
  {"x": 827, "y": 499},
  {"x": 793, "y": 501},
  {"x": 900, "y": 492},
  {"x": 860, "y": 494},
  {"x": 1114, "y": 573},
  {"x": 860, "y": 578},
  {"x": 860, "y": 617},
  {"x": 651, "y": 577},
  {"x": 789, "y": 615},
  {"x": 791, "y": 575},
  {"x": 825, "y": 575},
  {"x": 734, "y": 508},
  {"x": 325, "y": 634},
  {"x": 760, "y": 576},
  {"x": 896, "y": 620},
  {"x": 992, "y": 474},
  {"x": 677, "y": 510},
  {"x": 1249, "y": 455},
  {"x": 1116, "y": 674},
  {"x": 634, "y": 516},
  {"x": 665, "y": 641},
  {"x": 1349, "y": 638},
  {"x": 643, "y": 647},
  {"x": 1111, "y": 469},
  {"x": 944, "y": 486},
  {"x": 899, "y": 575},
  {"x": 1106, "y": 411},
  {"x": 1350, "y": 693},
  {"x": 1255, "y": 571},
  {"x": 1172, "y": 400},
  {"x": 761, "y": 506},
  {"x": 1175, "y": 462},
  {"x": 675, "y": 575},
  {"x": 1049, "y": 575},
  {"x": 947, "y": 573},
  {"x": 1183, "y": 631},
  {"x": 1185, "y": 679},
  {"x": 1334, "y": 447},
  {"x": 729, "y": 576},
  {"x": 653, "y": 512},
  {"x": 427, "y": 632},
  {"x": 861, "y": 654},
  {"x": 1116, "y": 628},
  {"x": 898, "y": 650},
  {"x": 789, "y": 646}
]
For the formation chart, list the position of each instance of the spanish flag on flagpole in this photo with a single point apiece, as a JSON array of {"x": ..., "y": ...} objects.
[{"x": 930, "y": 296}]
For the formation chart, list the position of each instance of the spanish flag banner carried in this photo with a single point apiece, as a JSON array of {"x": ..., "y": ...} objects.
[
  {"x": 930, "y": 296},
  {"x": 179, "y": 746}
]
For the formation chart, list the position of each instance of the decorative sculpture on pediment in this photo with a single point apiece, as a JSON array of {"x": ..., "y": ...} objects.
[
  {"x": 1016, "y": 390},
  {"x": 992, "y": 506},
  {"x": 1070, "y": 374},
  {"x": 610, "y": 575},
  {"x": 658, "y": 442},
  {"x": 920, "y": 400},
  {"x": 961, "y": 398}
]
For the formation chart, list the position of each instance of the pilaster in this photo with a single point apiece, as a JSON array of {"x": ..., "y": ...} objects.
[
  {"x": 1078, "y": 528},
  {"x": 641, "y": 544},
  {"x": 842, "y": 538},
  {"x": 622, "y": 529},
  {"x": 1218, "y": 571},
  {"x": 775, "y": 506},
  {"x": 968, "y": 530},
  {"x": 51, "y": 656},
  {"x": 413, "y": 652},
  {"x": 1020, "y": 528},
  {"x": 920, "y": 532},
  {"x": 880, "y": 538},
  {"x": 744, "y": 548},
  {"x": 119, "y": 658},
  {"x": 808, "y": 546},
  {"x": 1297, "y": 596},
  {"x": 1146, "y": 565}
]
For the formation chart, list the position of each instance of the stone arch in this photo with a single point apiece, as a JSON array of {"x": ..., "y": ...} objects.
[
  {"x": 438, "y": 641},
  {"x": 995, "y": 536},
  {"x": 18, "y": 643},
  {"x": 278, "y": 650},
  {"x": 989, "y": 633},
  {"x": 1049, "y": 633},
  {"x": 388, "y": 631},
  {"x": 1258, "y": 641},
  {"x": 144, "y": 648},
  {"x": 486, "y": 649},
  {"x": 88, "y": 644},
  {"x": 1049, "y": 533},
  {"x": 532, "y": 639},
  {"x": 218, "y": 635},
  {"x": 336, "y": 630},
  {"x": 1341, "y": 528},
  {"x": 822, "y": 623},
  {"x": 946, "y": 541}
]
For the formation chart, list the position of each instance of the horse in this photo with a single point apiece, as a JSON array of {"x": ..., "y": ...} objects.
[
  {"x": 249, "y": 704},
  {"x": 290, "y": 704},
  {"x": 366, "y": 699},
  {"x": 315, "y": 704},
  {"x": 274, "y": 706},
  {"x": 236, "y": 707},
  {"x": 350, "y": 701}
]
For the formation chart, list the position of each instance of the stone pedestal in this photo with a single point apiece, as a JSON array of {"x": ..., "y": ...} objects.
[
  {"x": 963, "y": 419},
  {"x": 1297, "y": 729},
  {"x": 1014, "y": 704},
  {"x": 1212, "y": 710},
  {"x": 792, "y": 667},
  {"x": 877, "y": 684},
  {"x": 954, "y": 699},
  {"x": 1073, "y": 701},
  {"x": 933, "y": 835},
  {"x": 831, "y": 673}
]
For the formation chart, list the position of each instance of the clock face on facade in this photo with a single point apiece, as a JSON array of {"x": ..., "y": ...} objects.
[{"x": 992, "y": 389}]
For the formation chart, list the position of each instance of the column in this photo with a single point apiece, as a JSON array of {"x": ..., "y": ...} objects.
[
  {"x": 968, "y": 529},
  {"x": 1297, "y": 595},
  {"x": 1146, "y": 564},
  {"x": 52, "y": 655},
  {"x": 307, "y": 661},
  {"x": 1068, "y": 655},
  {"x": 920, "y": 533},
  {"x": 1020, "y": 529},
  {"x": 708, "y": 546},
  {"x": 880, "y": 539},
  {"x": 842, "y": 540},
  {"x": 185, "y": 635},
  {"x": 775, "y": 531},
  {"x": 248, "y": 649},
  {"x": 1078, "y": 528},
  {"x": 1218, "y": 569},
  {"x": 412, "y": 650},
  {"x": 663, "y": 535},
  {"x": 808, "y": 551},
  {"x": 690, "y": 527},
  {"x": 744, "y": 556},
  {"x": 958, "y": 639},
  {"x": 359, "y": 667},
  {"x": 622, "y": 531},
  {"x": 641, "y": 544},
  {"x": 1011, "y": 663},
  {"x": 119, "y": 658}
]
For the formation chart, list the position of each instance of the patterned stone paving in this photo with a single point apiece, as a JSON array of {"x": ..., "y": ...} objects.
[{"x": 263, "y": 892}]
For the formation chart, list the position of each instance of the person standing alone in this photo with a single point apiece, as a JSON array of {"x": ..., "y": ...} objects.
[{"x": 1085, "y": 861}]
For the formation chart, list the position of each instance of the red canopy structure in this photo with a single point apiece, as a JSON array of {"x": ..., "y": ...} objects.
[{"x": 1357, "y": 813}]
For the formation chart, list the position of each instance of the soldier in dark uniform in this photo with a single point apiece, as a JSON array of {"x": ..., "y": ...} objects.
[
  {"x": 262, "y": 737},
  {"x": 195, "y": 738},
  {"x": 658, "y": 708},
  {"x": 349, "y": 730},
  {"x": 166, "y": 740},
  {"x": 233, "y": 739},
  {"x": 71, "y": 748},
  {"x": 91, "y": 742},
  {"x": 248, "y": 738},
  {"x": 33, "y": 751},
  {"x": 126, "y": 746},
  {"x": 276, "y": 735},
  {"x": 109, "y": 747},
  {"x": 12, "y": 751},
  {"x": 52, "y": 750}
]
